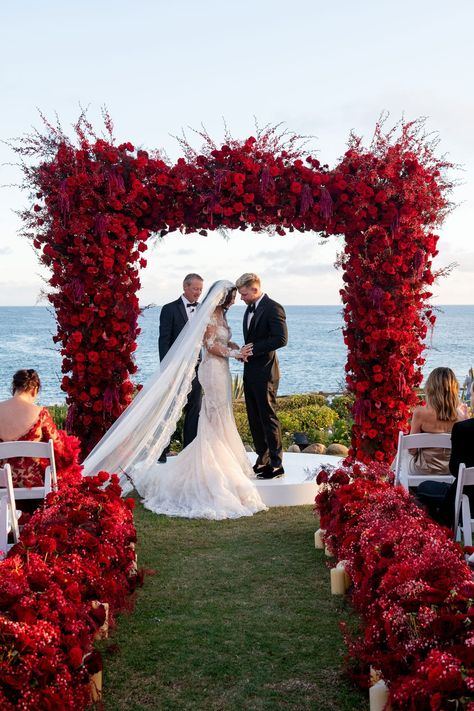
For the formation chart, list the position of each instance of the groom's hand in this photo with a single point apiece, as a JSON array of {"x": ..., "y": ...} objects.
[{"x": 246, "y": 352}]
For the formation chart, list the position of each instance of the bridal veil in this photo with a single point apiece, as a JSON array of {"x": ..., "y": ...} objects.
[{"x": 144, "y": 429}]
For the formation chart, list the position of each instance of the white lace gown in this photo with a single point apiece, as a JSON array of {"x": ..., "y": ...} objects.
[{"x": 211, "y": 477}]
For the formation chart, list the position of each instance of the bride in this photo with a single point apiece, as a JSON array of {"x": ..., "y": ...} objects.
[{"x": 211, "y": 477}]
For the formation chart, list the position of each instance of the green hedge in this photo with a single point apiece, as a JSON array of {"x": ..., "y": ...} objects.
[{"x": 311, "y": 413}]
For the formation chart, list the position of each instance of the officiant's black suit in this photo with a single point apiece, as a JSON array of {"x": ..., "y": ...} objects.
[
  {"x": 267, "y": 332},
  {"x": 173, "y": 318}
]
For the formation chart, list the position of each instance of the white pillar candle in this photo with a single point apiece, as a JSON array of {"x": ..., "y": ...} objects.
[
  {"x": 338, "y": 583},
  {"x": 374, "y": 676},
  {"x": 96, "y": 687},
  {"x": 347, "y": 578},
  {"x": 318, "y": 538},
  {"x": 378, "y": 697},
  {"x": 328, "y": 552}
]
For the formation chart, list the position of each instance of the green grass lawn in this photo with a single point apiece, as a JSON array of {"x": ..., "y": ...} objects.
[{"x": 238, "y": 616}]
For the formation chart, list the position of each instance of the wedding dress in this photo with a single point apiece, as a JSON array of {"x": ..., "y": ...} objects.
[{"x": 210, "y": 477}]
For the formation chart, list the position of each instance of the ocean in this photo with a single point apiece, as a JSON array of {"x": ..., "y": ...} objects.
[{"x": 313, "y": 360}]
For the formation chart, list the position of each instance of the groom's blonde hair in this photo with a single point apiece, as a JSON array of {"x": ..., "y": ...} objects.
[{"x": 247, "y": 280}]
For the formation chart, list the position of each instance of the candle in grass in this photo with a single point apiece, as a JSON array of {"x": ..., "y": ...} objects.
[
  {"x": 318, "y": 539},
  {"x": 378, "y": 697},
  {"x": 338, "y": 582}
]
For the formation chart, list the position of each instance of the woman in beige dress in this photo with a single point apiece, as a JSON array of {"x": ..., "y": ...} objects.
[{"x": 441, "y": 411}]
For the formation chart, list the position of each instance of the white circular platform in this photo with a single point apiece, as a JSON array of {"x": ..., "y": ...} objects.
[{"x": 297, "y": 487}]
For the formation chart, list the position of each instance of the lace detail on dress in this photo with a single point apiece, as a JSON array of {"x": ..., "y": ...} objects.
[
  {"x": 217, "y": 338},
  {"x": 212, "y": 477}
]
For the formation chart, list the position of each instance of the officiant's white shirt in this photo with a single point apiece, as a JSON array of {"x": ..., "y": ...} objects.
[{"x": 192, "y": 310}]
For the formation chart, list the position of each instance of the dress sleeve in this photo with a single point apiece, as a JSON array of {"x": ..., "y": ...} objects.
[
  {"x": 49, "y": 430},
  {"x": 212, "y": 345}
]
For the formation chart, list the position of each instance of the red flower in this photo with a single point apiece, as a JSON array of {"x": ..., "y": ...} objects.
[{"x": 75, "y": 657}]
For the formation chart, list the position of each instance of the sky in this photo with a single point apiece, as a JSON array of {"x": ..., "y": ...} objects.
[{"x": 160, "y": 67}]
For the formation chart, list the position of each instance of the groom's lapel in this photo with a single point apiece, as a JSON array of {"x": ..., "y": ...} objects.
[
  {"x": 258, "y": 313},
  {"x": 244, "y": 325}
]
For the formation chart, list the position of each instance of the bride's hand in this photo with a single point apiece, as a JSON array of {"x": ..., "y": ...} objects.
[{"x": 246, "y": 351}]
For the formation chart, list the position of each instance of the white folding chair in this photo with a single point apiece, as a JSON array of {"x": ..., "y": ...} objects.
[
  {"x": 8, "y": 512},
  {"x": 38, "y": 450},
  {"x": 419, "y": 441},
  {"x": 465, "y": 526}
]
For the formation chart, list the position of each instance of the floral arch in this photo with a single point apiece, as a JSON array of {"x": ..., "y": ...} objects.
[{"x": 97, "y": 204}]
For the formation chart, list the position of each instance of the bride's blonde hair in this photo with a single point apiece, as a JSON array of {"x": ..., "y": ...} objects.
[{"x": 442, "y": 394}]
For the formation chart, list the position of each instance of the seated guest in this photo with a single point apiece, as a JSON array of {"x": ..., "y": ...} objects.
[
  {"x": 440, "y": 497},
  {"x": 441, "y": 412},
  {"x": 462, "y": 452},
  {"x": 22, "y": 420}
]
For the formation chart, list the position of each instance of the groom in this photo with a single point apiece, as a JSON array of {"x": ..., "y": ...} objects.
[
  {"x": 173, "y": 318},
  {"x": 265, "y": 328}
]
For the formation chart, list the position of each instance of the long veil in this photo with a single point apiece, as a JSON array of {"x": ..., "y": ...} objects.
[{"x": 144, "y": 429}]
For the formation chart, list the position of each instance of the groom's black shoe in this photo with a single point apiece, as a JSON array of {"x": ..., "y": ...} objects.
[
  {"x": 259, "y": 468},
  {"x": 271, "y": 473}
]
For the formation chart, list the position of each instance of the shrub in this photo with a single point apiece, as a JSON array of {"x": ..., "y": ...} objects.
[
  {"x": 243, "y": 428},
  {"x": 59, "y": 414},
  {"x": 237, "y": 387},
  {"x": 312, "y": 420},
  {"x": 341, "y": 433},
  {"x": 294, "y": 402},
  {"x": 342, "y": 404},
  {"x": 341, "y": 430}
]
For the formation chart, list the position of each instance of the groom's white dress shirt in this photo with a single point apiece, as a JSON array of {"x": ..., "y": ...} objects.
[{"x": 250, "y": 315}]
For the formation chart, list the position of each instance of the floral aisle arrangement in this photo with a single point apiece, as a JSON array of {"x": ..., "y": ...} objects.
[
  {"x": 410, "y": 585},
  {"x": 95, "y": 206},
  {"x": 74, "y": 552}
]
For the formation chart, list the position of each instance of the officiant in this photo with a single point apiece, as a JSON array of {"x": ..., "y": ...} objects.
[{"x": 173, "y": 318}]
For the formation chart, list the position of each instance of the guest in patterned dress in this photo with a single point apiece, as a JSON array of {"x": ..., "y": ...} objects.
[{"x": 21, "y": 419}]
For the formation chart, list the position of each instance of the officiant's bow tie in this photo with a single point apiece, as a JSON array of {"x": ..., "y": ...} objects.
[
  {"x": 196, "y": 303},
  {"x": 251, "y": 308}
]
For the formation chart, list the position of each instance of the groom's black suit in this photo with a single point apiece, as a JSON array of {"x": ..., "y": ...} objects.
[
  {"x": 173, "y": 318},
  {"x": 267, "y": 332}
]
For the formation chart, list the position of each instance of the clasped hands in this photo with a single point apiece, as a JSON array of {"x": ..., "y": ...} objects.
[{"x": 245, "y": 352}]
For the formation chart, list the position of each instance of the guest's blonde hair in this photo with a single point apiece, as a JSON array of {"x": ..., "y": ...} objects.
[
  {"x": 442, "y": 394},
  {"x": 247, "y": 280}
]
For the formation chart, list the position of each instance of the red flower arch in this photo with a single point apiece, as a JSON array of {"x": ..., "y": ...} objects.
[{"x": 98, "y": 204}]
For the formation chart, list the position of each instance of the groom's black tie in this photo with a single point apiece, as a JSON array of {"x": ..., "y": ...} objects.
[
  {"x": 188, "y": 306},
  {"x": 251, "y": 308}
]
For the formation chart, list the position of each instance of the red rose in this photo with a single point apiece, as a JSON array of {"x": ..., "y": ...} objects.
[{"x": 75, "y": 657}]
